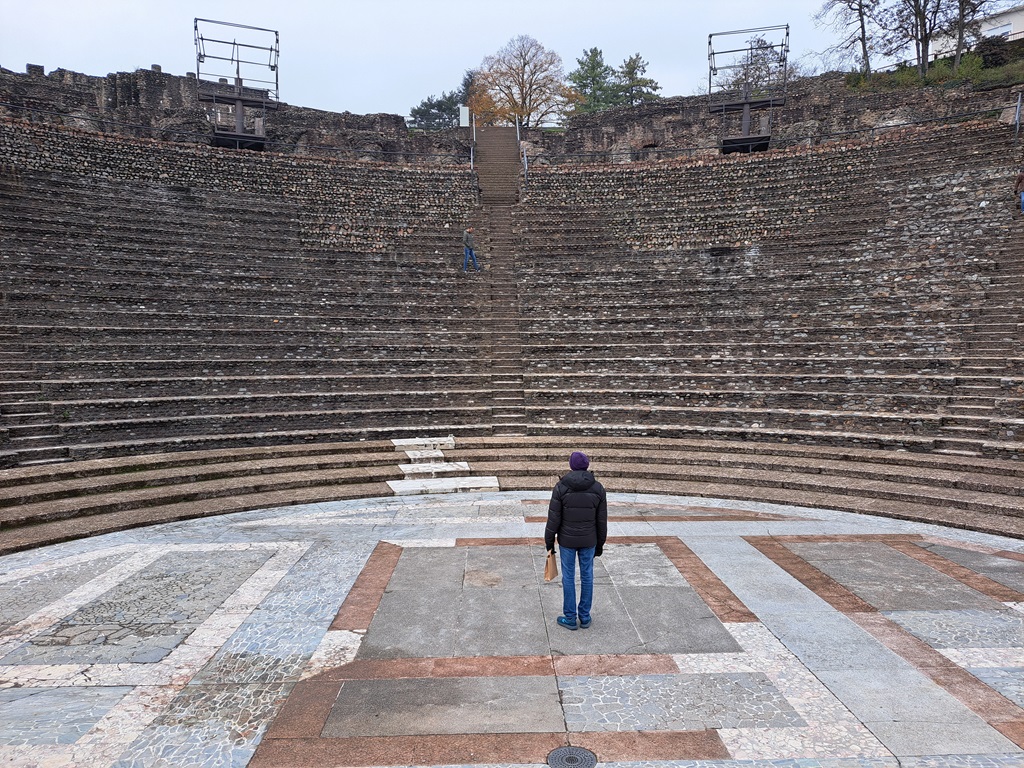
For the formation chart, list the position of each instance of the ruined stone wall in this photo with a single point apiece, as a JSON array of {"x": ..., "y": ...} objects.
[
  {"x": 815, "y": 108},
  {"x": 153, "y": 104},
  {"x": 376, "y": 207}
]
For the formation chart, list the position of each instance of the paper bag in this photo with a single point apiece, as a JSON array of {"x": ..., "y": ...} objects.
[{"x": 551, "y": 566}]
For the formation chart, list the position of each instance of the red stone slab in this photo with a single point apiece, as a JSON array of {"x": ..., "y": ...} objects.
[
  {"x": 712, "y": 590},
  {"x": 961, "y": 573},
  {"x": 1014, "y": 731},
  {"x": 615, "y": 665},
  {"x": 652, "y": 745},
  {"x": 977, "y": 696},
  {"x": 829, "y": 590},
  {"x": 407, "y": 750},
  {"x": 363, "y": 599},
  {"x": 305, "y": 710},
  {"x": 467, "y": 666},
  {"x": 511, "y": 748}
]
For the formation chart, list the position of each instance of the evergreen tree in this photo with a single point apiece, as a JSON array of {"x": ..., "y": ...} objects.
[
  {"x": 594, "y": 83},
  {"x": 443, "y": 112},
  {"x": 633, "y": 87}
]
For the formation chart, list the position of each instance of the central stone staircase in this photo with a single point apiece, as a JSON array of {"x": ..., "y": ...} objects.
[{"x": 498, "y": 175}]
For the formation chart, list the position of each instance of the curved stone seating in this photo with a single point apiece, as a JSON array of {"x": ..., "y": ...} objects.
[
  {"x": 826, "y": 326},
  {"x": 46, "y": 504}
]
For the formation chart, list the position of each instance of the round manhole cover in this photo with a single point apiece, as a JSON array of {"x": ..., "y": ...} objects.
[{"x": 572, "y": 757}]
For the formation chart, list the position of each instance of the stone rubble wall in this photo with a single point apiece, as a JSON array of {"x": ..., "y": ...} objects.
[
  {"x": 154, "y": 104},
  {"x": 770, "y": 274},
  {"x": 815, "y": 108},
  {"x": 373, "y": 207}
]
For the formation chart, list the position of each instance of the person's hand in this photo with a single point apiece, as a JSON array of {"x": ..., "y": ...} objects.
[
  {"x": 551, "y": 549},
  {"x": 598, "y": 551}
]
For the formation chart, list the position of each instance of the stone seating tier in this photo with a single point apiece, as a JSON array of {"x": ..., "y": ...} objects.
[
  {"x": 367, "y": 206},
  {"x": 832, "y": 262},
  {"x": 43, "y": 505}
]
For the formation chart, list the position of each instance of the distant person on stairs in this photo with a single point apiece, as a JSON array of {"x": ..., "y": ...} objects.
[
  {"x": 467, "y": 243},
  {"x": 1018, "y": 188},
  {"x": 578, "y": 516}
]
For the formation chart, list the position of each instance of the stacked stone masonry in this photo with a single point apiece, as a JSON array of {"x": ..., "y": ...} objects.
[
  {"x": 163, "y": 297},
  {"x": 870, "y": 289}
]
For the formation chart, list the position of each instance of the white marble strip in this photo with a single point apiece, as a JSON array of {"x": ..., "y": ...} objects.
[
  {"x": 48, "y": 565},
  {"x": 433, "y": 469},
  {"x": 339, "y": 647},
  {"x": 371, "y": 522},
  {"x": 985, "y": 657},
  {"x": 444, "y": 485},
  {"x": 113, "y": 733},
  {"x": 413, "y": 543},
  {"x": 424, "y": 443},
  {"x": 419, "y": 457}
]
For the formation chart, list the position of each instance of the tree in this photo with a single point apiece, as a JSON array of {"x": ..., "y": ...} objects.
[
  {"x": 443, "y": 112},
  {"x": 523, "y": 79},
  {"x": 594, "y": 82},
  {"x": 913, "y": 22},
  {"x": 633, "y": 87},
  {"x": 964, "y": 22},
  {"x": 855, "y": 20}
]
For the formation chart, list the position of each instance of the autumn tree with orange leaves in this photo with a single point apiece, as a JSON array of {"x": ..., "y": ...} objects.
[{"x": 523, "y": 79}]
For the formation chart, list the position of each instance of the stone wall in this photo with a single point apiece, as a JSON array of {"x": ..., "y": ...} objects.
[
  {"x": 363, "y": 206},
  {"x": 815, "y": 108},
  {"x": 154, "y": 104}
]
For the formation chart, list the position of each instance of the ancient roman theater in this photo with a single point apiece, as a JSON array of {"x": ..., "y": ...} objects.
[{"x": 275, "y": 470}]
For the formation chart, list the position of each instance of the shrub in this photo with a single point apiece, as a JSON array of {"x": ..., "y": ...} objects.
[
  {"x": 994, "y": 52},
  {"x": 939, "y": 72},
  {"x": 971, "y": 65}
]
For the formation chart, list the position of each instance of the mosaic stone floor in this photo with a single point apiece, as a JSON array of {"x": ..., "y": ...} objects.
[{"x": 419, "y": 631}]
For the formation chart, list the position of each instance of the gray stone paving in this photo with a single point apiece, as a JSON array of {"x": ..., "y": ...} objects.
[
  {"x": 446, "y": 706},
  {"x": 964, "y": 629},
  {"x": 675, "y": 703},
  {"x": 53, "y": 715},
  {"x": 176, "y": 645}
]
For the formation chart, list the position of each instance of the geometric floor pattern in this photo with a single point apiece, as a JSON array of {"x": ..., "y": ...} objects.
[{"x": 419, "y": 631}]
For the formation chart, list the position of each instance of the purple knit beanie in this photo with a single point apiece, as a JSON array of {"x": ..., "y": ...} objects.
[{"x": 578, "y": 460}]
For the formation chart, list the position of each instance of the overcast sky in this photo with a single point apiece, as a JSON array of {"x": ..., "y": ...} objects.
[{"x": 388, "y": 55}]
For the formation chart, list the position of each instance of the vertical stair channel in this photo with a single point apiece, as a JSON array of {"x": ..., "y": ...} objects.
[{"x": 498, "y": 174}]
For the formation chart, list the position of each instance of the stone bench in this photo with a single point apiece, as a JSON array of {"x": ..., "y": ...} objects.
[{"x": 44, "y": 505}]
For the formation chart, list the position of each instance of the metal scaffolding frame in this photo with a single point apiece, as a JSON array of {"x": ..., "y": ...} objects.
[
  {"x": 235, "y": 81},
  {"x": 750, "y": 77}
]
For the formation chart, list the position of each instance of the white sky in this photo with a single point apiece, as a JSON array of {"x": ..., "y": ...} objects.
[{"x": 388, "y": 55}]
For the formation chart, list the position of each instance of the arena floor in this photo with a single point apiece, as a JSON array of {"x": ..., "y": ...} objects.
[{"x": 419, "y": 631}]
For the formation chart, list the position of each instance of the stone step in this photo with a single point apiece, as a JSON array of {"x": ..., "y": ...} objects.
[
  {"x": 485, "y": 484},
  {"x": 32, "y": 431},
  {"x": 29, "y": 408},
  {"x": 970, "y": 411},
  {"x": 434, "y": 469},
  {"x": 42, "y": 459}
]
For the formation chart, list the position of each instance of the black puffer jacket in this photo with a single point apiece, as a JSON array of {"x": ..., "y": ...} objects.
[{"x": 578, "y": 512}]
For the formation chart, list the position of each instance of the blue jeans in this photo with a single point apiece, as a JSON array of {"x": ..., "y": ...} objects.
[
  {"x": 568, "y": 557},
  {"x": 1022, "y": 202},
  {"x": 469, "y": 255}
]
